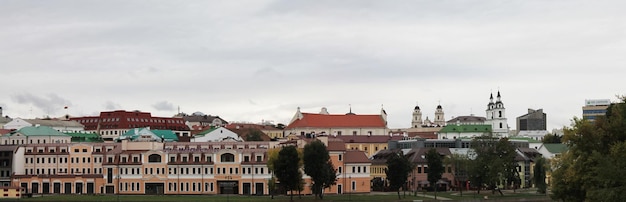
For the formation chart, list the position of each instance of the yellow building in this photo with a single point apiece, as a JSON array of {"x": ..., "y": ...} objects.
[{"x": 11, "y": 192}]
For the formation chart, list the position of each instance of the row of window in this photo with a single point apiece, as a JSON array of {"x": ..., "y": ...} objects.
[
  {"x": 338, "y": 133},
  {"x": 30, "y": 141},
  {"x": 49, "y": 171},
  {"x": 63, "y": 160},
  {"x": 195, "y": 187}
]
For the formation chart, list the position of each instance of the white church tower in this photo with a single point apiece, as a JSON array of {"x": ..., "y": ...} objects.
[
  {"x": 496, "y": 117},
  {"x": 440, "y": 121},
  {"x": 417, "y": 118}
]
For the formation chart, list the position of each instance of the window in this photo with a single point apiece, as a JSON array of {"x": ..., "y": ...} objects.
[
  {"x": 259, "y": 158},
  {"x": 154, "y": 158},
  {"x": 246, "y": 159},
  {"x": 227, "y": 157},
  {"x": 172, "y": 159},
  {"x": 84, "y": 150},
  {"x": 340, "y": 157},
  {"x": 354, "y": 132}
]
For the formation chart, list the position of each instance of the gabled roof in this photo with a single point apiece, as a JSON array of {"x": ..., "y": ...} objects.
[
  {"x": 465, "y": 129},
  {"x": 356, "y": 156},
  {"x": 418, "y": 155},
  {"x": 206, "y": 131},
  {"x": 165, "y": 135},
  {"x": 38, "y": 131},
  {"x": 337, "y": 121},
  {"x": 467, "y": 119},
  {"x": 556, "y": 148}
]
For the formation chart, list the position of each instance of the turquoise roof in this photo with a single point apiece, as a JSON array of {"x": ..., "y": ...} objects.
[
  {"x": 85, "y": 137},
  {"x": 38, "y": 131},
  {"x": 166, "y": 135},
  {"x": 466, "y": 129},
  {"x": 556, "y": 148}
]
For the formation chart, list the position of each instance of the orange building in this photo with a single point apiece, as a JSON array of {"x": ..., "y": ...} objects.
[{"x": 169, "y": 168}]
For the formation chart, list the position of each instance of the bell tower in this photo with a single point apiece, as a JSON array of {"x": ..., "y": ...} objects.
[{"x": 417, "y": 118}]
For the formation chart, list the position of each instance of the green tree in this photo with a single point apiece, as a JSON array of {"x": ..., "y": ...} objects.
[
  {"x": 551, "y": 138},
  {"x": 460, "y": 164},
  {"x": 254, "y": 135},
  {"x": 318, "y": 166},
  {"x": 398, "y": 169},
  {"x": 494, "y": 162},
  {"x": 539, "y": 174},
  {"x": 271, "y": 186},
  {"x": 593, "y": 167},
  {"x": 287, "y": 169},
  {"x": 435, "y": 168}
]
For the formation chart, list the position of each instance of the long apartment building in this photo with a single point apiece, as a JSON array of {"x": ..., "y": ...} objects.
[
  {"x": 113, "y": 124},
  {"x": 170, "y": 168}
]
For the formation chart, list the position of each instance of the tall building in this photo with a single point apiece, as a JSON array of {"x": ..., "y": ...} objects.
[
  {"x": 417, "y": 121},
  {"x": 496, "y": 116},
  {"x": 594, "y": 108},
  {"x": 534, "y": 120}
]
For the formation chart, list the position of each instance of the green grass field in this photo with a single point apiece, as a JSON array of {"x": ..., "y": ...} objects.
[{"x": 386, "y": 197}]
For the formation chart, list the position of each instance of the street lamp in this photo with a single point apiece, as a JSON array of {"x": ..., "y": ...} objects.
[{"x": 350, "y": 192}]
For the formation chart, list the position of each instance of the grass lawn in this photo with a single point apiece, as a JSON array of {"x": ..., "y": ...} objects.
[
  {"x": 386, "y": 197},
  {"x": 354, "y": 197}
]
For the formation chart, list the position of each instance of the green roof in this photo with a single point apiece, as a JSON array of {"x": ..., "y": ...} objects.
[
  {"x": 38, "y": 131},
  {"x": 556, "y": 148},
  {"x": 205, "y": 132},
  {"x": 530, "y": 140},
  {"x": 84, "y": 135},
  {"x": 466, "y": 129},
  {"x": 166, "y": 135}
]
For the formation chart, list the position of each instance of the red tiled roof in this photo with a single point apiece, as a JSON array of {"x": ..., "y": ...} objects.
[
  {"x": 335, "y": 145},
  {"x": 4, "y": 131},
  {"x": 356, "y": 156},
  {"x": 338, "y": 121}
]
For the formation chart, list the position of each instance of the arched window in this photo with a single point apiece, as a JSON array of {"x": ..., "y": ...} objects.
[
  {"x": 499, "y": 113},
  {"x": 500, "y": 125},
  {"x": 154, "y": 158},
  {"x": 227, "y": 157}
]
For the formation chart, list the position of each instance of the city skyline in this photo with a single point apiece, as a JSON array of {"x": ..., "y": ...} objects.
[{"x": 260, "y": 60}]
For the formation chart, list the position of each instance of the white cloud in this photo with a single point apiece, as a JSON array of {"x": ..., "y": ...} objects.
[{"x": 264, "y": 59}]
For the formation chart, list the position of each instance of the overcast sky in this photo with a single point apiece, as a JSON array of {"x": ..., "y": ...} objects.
[{"x": 260, "y": 60}]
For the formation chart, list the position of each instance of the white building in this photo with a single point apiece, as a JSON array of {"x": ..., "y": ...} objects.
[
  {"x": 496, "y": 117},
  {"x": 35, "y": 135},
  {"x": 58, "y": 125},
  {"x": 220, "y": 134}
]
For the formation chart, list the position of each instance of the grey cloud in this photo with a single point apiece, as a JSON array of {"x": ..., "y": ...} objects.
[
  {"x": 164, "y": 106},
  {"x": 110, "y": 105},
  {"x": 50, "y": 103}
]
